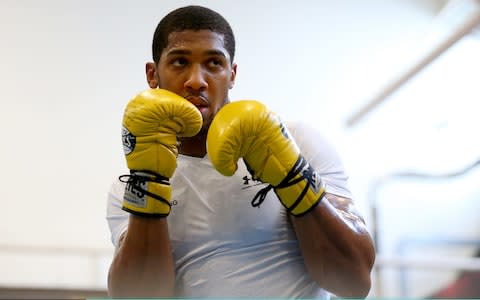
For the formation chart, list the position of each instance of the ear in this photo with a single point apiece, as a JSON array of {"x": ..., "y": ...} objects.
[
  {"x": 151, "y": 74},
  {"x": 233, "y": 76}
]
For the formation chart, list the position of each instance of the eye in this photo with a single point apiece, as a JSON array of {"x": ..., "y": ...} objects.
[
  {"x": 215, "y": 63},
  {"x": 179, "y": 62}
]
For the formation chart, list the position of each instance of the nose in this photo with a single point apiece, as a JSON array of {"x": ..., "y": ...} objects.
[{"x": 196, "y": 78}]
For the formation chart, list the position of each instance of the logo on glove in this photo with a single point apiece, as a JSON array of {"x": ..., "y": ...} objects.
[
  {"x": 134, "y": 193},
  {"x": 128, "y": 140},
  {"x": 313, "y": 178}
]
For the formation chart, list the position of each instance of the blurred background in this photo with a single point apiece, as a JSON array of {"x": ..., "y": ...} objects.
[{"x": 392, "y": 84}]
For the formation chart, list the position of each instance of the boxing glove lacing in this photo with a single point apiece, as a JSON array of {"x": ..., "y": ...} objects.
[
  {"x": 137, "y": 178},
  {"x": 299, "y": 165}
]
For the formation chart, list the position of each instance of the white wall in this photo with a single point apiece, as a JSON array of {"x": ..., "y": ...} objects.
[{"x": 69, "y": 67}]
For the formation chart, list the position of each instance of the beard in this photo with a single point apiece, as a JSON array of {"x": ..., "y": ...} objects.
[
  {"x": 204, "y": 130},
  {"x": 208, "y": 119}
]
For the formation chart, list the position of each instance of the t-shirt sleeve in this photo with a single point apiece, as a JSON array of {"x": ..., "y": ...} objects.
[
  {"x": 322, "y": 156},
  {"x": 117, "y": 218}
]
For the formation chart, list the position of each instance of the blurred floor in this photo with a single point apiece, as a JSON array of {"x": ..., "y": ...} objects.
[{"x": 43, "y": 293}]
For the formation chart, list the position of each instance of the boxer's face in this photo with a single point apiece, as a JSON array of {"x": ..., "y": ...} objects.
[{"x": 196, "y": 66}]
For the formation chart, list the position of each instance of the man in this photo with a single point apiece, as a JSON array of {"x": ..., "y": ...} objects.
[{"x": 183, "y": 222}]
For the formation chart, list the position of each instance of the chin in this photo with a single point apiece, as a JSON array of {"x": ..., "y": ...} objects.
[
  {"x": 207, "y": 120},
  {"x": 204, "y": 130}
]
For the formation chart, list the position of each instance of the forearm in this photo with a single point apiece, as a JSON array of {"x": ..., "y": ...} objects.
[
  {"x": 143, "y": 265},
  {"x": 337, "y": 249}
]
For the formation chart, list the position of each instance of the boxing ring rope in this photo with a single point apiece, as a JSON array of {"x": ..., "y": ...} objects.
[
  {"x": 382, "y": 261},
  {"x": 458, "y": 32},
  {"x": 93, "y": 255},
  {"x": 431, "y": 263},
  {"x": 419, "y": 263},
  {"x": 470, "y": 22},
  {"x": 400, "y": 261}
]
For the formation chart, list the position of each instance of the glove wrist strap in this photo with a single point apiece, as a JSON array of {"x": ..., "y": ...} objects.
[
  {"x": 142, "y": 189},
  {"x": 300, "y": 166}
]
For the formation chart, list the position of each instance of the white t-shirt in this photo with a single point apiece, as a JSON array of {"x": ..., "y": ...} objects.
[{"x": 224, "y": 247}]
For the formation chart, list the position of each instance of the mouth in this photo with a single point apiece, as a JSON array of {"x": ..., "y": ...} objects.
[{"x": 200, "y": 102}]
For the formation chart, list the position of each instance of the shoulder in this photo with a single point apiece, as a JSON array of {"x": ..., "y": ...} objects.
[
  {"x": 312, "y": 141},
  {"x": 322, "y": 155},
  {"x": 117, "y": 188}
]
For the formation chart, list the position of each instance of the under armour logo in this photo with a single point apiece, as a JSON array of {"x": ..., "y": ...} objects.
[{"x": 247, "y": 182}]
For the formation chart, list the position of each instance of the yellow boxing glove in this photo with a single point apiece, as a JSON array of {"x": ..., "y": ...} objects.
[
  {"x": 152, "y": 121},
  {"x": 248, "y": 129}
]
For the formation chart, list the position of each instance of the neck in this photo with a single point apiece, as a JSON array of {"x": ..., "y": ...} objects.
[{"x": 194, "y": 146}]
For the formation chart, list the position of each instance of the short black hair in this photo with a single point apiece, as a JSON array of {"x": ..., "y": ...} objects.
[{"x": 191, "y": 18}]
